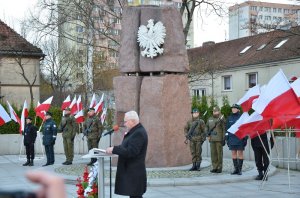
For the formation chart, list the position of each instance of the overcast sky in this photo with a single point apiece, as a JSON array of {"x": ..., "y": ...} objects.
[{"x": 212, "y": 28}]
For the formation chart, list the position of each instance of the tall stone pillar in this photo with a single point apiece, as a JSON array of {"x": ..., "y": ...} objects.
[{"x": 156, "y": 88}]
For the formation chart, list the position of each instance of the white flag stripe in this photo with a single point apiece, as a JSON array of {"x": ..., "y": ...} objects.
[{"x": 238, "y": 123}]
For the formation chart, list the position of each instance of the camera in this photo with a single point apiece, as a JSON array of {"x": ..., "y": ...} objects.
[{"x": 16, "y": 194}]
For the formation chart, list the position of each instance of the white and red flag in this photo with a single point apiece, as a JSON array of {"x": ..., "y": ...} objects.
[
  {"x": 93, "y": 101},
  {"x": 79, "y": 103},
  {"x": 103, "y": 115},
  {"x": 45, "y": 106},
  {"x": 247, "y": 100},
  {"x": 24, "y": 115},
  {"x": 4, "y": 117},
  {"x": 13, "y": 114},
  {"x": 79, "y": 117},
  {"x": 234, "y": 128},
  {"x": 99, "y": 105},
  {"x": 254, "y": 124},
  {"x": 73, "y": 106},
  {"x": 278, "y": 98},
  {"x": 40, "y": 114},
  {"x": 66, "y": 103}
]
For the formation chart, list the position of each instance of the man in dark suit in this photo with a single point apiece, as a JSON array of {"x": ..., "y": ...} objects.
[
  {"x": 29, "y": 140},
  {"x": 131, "y": 177}
]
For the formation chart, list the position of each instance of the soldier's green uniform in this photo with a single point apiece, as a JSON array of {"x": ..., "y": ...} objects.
[
  {"x": 216, "y": 134},
  {"x": 195, "y": 132},
  {"x": 93, "y": 130},
  {"x": 68, "y": 128}
]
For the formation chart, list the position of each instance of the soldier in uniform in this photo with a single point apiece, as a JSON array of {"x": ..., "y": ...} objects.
[
  {"x": 195, "y": 133},
  {"x": 216, "y": 137},
  {"x": 92, "y": 130},
  {"x": 29, "y": 140},
  {"x": 68, "y": 128},
  {"x": 49, "y": 132}
]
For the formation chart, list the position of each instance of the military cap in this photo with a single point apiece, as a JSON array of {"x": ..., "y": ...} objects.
[
  {"x": 216, "y": 108},
  {"x": 67, "y": 109},
  {"x": 91, "y": 109},
  {"x": 195, "y": 110},
  {"x": 48, "y": 113},
  {"x": 29, "y": 118},
  {"x": 235, "y": 106}
]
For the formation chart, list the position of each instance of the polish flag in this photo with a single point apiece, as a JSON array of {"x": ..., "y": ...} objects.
[
  {"x": 73, "y": 106},
  {"x": 278, "y": 98},
  {"x": 40, "y": 114},
  {"x": 79, "y": 117},
  {"x": 296, "y": 87},
  {"x": 66, "y": 103},
  {"x": 247, "y": 100},
  {"x": 234, "y": 128},
  {"x": 4, "y": 117},
  {"x": 99, "y": 106},
  {"x": 45, "y": 106},
  {"x": 13, "y": 114},
  {"x": 79, "y": 103},
  {"x": 93, "y": 101},
  {"x": 103, "y": 115},
  {"x": 255, "y": 123},
  {"x": 24, "y": 114}
]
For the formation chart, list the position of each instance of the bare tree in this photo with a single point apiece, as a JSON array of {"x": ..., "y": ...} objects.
[{"x": 189, "y": 7}]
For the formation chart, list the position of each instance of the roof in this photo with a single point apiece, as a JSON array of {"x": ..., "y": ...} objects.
[
  {"x": 227, "y": 54},
  {"x": 11, "y": 43}
]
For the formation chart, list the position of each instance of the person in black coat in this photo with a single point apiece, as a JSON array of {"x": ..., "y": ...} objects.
[
  {"x": 49, "y": 132},
  {"x": 236, "y": 145},
  {"x": 29, "y": 140},
  {"x": 131, "y": 176},
  {"x": 261, "y": 150}
]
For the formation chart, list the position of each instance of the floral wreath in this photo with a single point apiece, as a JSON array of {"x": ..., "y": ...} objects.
[{"x": 87, "y": 186}]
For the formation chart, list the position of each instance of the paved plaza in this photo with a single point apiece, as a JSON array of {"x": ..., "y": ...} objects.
[{"x": 174, "y": 182}]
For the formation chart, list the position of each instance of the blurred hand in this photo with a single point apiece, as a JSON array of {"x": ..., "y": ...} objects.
[
  {"x": 52, "y": 186},
  {"x": 109, "y": 150}
]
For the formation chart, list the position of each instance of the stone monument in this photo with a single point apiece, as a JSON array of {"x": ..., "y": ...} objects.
[{"x": 156, "y": 87}]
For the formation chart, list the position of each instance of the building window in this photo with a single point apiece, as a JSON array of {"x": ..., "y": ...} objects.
[
  {"x": 199, "y": 92},
  {"x": 252, "y": 79},
  {"x": 279, "y": 10},
  {"x": 267, "y": 9},
  {"x": 274, "y": 9},
  {"x": 254, "y": 8},
  {"x": 227, "y": 84},
  {"x": 79, "y": 28},
  {"x": 260, "y": 8},
  {"x": 281, "y": 43},
  {"x": 79, "y": 40},
  {"x": 286, "y": 11},
  {"x": 245, "y": 49},
  {"x": 267, "y": 18},
  {"x": 261, "y": 47}
]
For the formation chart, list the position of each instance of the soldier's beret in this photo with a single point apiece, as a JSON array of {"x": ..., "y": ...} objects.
[
  {"x": 235, "y": 106},
  {"x": 29, "y": 118},
  {"x": 195, "y": 110},
  {"x": 48, "y": 113},
  {"x": 91, "y": 109},
  {"x": 216, "y": 109}
]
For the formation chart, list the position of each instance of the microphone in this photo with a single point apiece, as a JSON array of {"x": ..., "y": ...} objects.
[{"x": 115, "y": 128}]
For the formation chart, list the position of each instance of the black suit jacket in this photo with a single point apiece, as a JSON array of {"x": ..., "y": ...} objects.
[
  {"x": 131, "y": 176},
  {"x": 29, "y": 134}
]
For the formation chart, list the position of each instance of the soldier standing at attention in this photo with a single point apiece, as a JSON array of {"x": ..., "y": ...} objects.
[
  {"x": 29, "y": 140},
  {"x": 216, "y": 137},
  {"x": 49, "y": 132},
  {"x": 92, "y": 130},
  {"x": 195, "y": 133},
  {"x": 68, "y": 128}
]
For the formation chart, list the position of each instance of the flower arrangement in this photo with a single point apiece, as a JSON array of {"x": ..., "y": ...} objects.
[{"x": 87, "y": 186}]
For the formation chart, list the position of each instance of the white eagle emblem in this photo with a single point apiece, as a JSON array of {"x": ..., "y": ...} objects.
[{"x": 151, "y": 37}]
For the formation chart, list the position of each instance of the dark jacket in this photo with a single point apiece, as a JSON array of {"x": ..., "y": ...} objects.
[
  {"x": 49, "y": 132},
  {"x": 256, "y": 142},
  {"x": 131, "y": 177},
  {"x": 233, "y": 140},
  {"x": 29, "y": 134}
]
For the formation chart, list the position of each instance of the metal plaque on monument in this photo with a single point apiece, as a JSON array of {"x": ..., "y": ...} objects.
[{"x": 154, "y": 66}]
